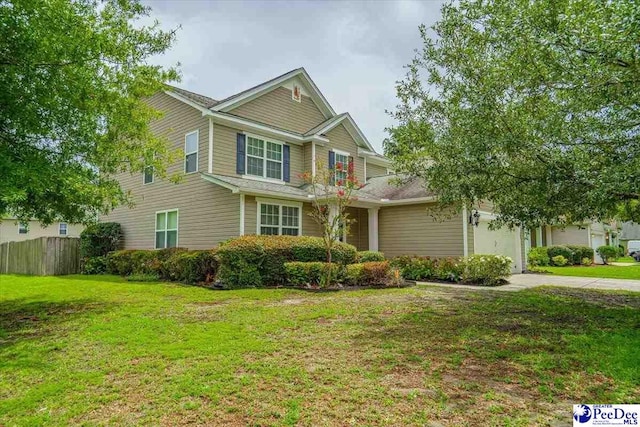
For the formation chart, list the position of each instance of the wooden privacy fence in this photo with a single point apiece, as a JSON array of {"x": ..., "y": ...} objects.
[{"x": 45, "y": 256}]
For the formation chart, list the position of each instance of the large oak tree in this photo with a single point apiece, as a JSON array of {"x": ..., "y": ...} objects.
[
  {"x": 533, "y": 105},
  {"x": 73, "y": 79}
]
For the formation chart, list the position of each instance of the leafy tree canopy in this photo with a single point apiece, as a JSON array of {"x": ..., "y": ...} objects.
[
  {"x": 534, "y": 106},
  {"x": 73, "y": 79}
]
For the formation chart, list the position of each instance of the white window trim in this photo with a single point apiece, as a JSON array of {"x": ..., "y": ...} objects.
[
  {"x": 155, "y": 227},
  {"x": 335, "y": 161},
  {"x": 264, "y": 159},
  {"x": 66, "y": 230},
  {"x": 260, "y": 201},
  {"x": 197, "y": 152}
]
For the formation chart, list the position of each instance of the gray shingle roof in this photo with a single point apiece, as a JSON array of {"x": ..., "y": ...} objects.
[
  {"x": 376, "y": 189},
  {"x": 201, "y": 100}
]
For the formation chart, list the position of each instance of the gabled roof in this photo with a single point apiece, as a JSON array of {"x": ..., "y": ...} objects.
[
  {"x": 240, "y": 98},
  {"x": 350, "y": 125}
]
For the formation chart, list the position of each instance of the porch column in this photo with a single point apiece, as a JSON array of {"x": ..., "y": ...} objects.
[
  {"x": 539, "y": 237},
  {"x": 549, "y": 238},
  {"x": 373, "y": 228},
  {"x": 333, "y": 212}
]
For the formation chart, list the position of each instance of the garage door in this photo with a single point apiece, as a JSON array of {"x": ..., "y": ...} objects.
[
  {"x": 498, "y": 242},
  {"x": 597, "y": 240}
]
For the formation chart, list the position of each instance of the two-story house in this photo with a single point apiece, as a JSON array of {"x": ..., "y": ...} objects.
[{"x": 242, "y": 161}]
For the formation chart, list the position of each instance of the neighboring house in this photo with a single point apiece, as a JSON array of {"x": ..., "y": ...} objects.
[
  {"x": 592, "y": 234},
  {"x": 242, "y": 161},
  {"x": 12, "y": 230},
  {"x": 630, "y": 231}
]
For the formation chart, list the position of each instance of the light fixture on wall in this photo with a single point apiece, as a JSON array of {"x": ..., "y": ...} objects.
[{"x": 474, "y": 218}]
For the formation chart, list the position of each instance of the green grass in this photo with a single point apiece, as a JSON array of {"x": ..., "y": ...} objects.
[
  {"x": 625, "y": 259},
  {"x": 98, "y": 350},
  {"x": 602, "y": 271}
]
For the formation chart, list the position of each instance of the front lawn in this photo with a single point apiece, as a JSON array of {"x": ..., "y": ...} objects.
[
  {"x": 625, "y": 259},
  {"x": 601, "y": 271},
  {"x": 97, "y": 350}
]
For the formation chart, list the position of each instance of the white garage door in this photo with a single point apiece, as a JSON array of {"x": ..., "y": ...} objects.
[
  {"x": 498, "y": 242},
  {"x": 597, "y": 240}
]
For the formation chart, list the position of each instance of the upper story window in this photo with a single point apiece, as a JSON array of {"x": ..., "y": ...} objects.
[
  {"x": 167, "y": 229},
  {"x": 191, "y": 152},
  {"x": 62, "y": 229},
  {"x": 23, "y": 228},
  {"x": 264, "y": 158},
  {"x": 148, "y": 175},
  {"x": 341, "y": 167}
]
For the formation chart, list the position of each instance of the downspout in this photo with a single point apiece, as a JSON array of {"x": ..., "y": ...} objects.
[
  {"x": 210, "y": 169},
  {"x": 242, "y": 214},
  {"x": 465, "y": 231},
  {"x": 313, "y": 159}
]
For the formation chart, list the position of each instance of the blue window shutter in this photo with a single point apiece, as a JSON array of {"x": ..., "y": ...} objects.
[
  {"x": 286, "y": 172},
  {"x": 332, "y": 160},
  {"x": 240, "y": 150}
]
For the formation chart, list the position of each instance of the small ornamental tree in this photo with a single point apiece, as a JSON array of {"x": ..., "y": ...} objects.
[{"x": 332, "y": 195}]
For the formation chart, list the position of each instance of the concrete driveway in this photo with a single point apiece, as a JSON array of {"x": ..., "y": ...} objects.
[{"x": 524, "y": 281}]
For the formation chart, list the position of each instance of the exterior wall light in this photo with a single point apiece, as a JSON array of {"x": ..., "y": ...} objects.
[{"x": 474, "y": 218}]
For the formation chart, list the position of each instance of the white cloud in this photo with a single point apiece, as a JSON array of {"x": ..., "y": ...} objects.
[{"x": 354, "y": 51}]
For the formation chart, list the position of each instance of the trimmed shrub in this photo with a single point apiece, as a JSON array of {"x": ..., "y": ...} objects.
[
  {"x": 579, "y": 253},
  {"x": 554, "y": 251},
  {"x": 559, "y": 261},
  {"x": 586, "y": 261},
  {"x": 191, "y": 267},
  {"x": 607, "y": 253},
  {"x": 539, "y": 257},
  {"x": 258, "y": 261},
  {"x": 139, "y": 261},
  {"x": 311, "y": 273},
  {"x": 369, "y": 256},
  {"x": 100, "y": 239},
  {"x": 487, "y": 270},
  {"x": 414, "y": 267},
  {"x": 95, "y": 265},
  {"x": 449, "y": 269},
  {"x": 373, "y": 273},
  {"x": 96, "y": 241}
]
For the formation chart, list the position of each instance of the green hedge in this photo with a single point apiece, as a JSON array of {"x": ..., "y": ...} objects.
[
  {"x": 258, "y": 261},
  {"x": 369, "y": 256},
  {"x": 372, "y": 273},
  {"x": 311, "y": 273},
  {"x": 96, "y": 241},
  {"x": 608, "y": 253},
  {"x": 487, "y": 270},
  {"x": 174, "y": 264},
  {"x": 574, "y": 254}
]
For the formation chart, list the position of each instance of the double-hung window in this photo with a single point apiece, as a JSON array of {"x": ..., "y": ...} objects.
[
  {"x": 167, "y": 229},
  {"x": 62, "y": 229},
  {"x": 148, "y": 175},
  {"x": 23, "y": 228},
  {"x": 276, "y": 219},
  {"x": 341, "y": 168},
  {"x": 264, "y": 158},
  {"x": 191, "y": 152}
]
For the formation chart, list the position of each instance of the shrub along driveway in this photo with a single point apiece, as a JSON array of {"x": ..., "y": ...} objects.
[{"x": 96, "y": 350}]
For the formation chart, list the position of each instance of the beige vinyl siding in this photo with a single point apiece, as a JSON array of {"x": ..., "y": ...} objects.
[
  {"x": 224, "y": 154},
  {"x": 410, "y": 230},
  {"x": 359, "y": 230},
  {"x": 341, "y": 140},
  {"x": 309, "y": 226},
  {"x": 307, "y": 157},
  {"x": 571, "y": 235},
  {"x": 375, "y": 170},
  {"x": 278, "y": 109},
  {"x": 9, "y": 230},
  {"x": 207, "y": 213}
]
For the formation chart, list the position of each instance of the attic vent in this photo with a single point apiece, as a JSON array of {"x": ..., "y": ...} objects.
[{"x": 296, "y": 93}]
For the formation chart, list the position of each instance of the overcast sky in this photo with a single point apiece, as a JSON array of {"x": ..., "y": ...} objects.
[{"x": 354, "y": 51}]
